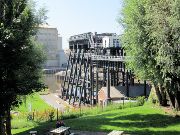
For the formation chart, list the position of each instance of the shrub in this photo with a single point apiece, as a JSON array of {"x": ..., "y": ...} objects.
[
  {"x": 51, "y": 116},
  {"x": 140, "y": 100}
]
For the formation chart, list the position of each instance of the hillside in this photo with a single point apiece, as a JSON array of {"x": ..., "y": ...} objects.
[{"x": 137, "y": 120}]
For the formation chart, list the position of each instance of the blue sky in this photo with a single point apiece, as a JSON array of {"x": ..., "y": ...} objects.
[{"x": 79, "y": 16}]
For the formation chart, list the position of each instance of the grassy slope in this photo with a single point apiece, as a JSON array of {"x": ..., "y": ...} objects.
[
  {"x": 139, "y": 120},
  {"x": 145, "y": 120},
  {"x": 20, "y": 123},
  {"x": 36, "y": 102}
]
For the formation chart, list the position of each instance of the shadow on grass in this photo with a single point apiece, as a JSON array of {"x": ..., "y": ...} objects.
[
  {"x": 149, "y": 120},
  {"x": 42, "y": 128},
  {"x": 149, "y": 124}
]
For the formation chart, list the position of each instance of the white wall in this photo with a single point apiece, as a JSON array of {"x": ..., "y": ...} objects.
[
  {"x": 52, "y": 44},
  {"x": 111, "y": 41}
]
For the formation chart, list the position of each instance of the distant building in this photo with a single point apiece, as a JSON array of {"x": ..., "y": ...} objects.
[
  {"x": 52, "y": 43},
  {"x": 119, "y": 92},
  {"x": 111, "y": 41}
]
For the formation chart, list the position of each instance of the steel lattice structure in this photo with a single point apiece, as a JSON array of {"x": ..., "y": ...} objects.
[{"x": 90, "y": 66}]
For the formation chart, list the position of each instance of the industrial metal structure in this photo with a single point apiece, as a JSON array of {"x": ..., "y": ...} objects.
[{"x": 95, "y": 60}]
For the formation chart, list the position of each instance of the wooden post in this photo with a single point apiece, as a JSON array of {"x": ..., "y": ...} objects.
[
  {"x": 57, "y": 115},
  {"x": 145, "y": 93},
  {"x": 33, "y": 115},
  {"x": 127, "y": 84}
]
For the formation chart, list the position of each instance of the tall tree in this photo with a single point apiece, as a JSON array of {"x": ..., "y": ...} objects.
[
  {"x": 21, "y": 57},
  {"x": 151, "y": 39}
]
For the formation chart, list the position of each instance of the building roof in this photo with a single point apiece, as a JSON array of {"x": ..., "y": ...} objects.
[{"x": 114, "y": 92}]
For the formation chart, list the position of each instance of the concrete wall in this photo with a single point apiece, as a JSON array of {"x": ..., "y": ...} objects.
[
  {"x": 52, "y": 44},
  {"x": 63, "y": 58},
  {"x": 134, "y": 91}
]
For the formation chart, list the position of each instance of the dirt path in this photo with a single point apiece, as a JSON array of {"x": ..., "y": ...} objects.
[{"x": 54, "y": 101}]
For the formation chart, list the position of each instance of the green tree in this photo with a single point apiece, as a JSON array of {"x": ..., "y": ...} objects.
[
  {"x": 151, "y": 38},
  {"x": 21, "y": 58}
]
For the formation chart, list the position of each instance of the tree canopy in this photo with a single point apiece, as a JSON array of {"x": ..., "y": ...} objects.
[
  {"x": 21, "y": 58},
  {"x": 152, "y": 40}
]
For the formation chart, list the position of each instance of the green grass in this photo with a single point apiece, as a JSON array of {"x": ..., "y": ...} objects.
[
  {"x": 20, "y": 122},
  {"x": 41, "y": 128},
  {"x": 36, "y": 103},
  {"x": 145, "y": 120},
  {"x": 137, "y": 120}
]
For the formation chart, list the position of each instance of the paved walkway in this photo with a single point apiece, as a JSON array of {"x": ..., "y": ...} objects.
[{"x": 54, "y": 101}]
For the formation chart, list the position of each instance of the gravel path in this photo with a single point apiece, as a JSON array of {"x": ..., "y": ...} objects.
[{"x": 53, "y": 100}]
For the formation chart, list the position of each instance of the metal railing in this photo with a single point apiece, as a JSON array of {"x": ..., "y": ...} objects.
[{"x": 103, "y": 57}]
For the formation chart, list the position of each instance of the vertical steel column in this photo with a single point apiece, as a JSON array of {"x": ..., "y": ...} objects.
[
  {"x": 104, "y": 73},
  {"x": 70, "y": 75},
  {"x": 74, "y": 75},
  {"x": 91, "y": 81},
  {"x": 117, "y": 74},
  {"x": 97, "y": 82},
  {"x": 84, "y": 80},
  {"x": 65, "y": 78},
  {"x": 114, "y": 75},
  {"x": 108, "y": 81},
  {"x": 78, "y": 75}
]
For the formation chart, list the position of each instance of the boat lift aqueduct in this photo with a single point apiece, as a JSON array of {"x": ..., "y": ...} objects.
[{"x": 95, "y": 61}]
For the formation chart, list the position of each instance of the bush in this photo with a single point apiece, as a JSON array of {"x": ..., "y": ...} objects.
[
  {"x": 51, "y": 116},
  {"x": 140, "y": 101}
]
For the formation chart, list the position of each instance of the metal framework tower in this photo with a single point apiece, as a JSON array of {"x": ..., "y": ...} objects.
[{"x": 90, "y": 66}]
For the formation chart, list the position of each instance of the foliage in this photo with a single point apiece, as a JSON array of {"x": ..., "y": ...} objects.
[
  {"x": 140, "y": 100},
  {"x": 21, "y": 58},
  {"x": 152, "y": 99},
  {"x": 51, "y": 115},
  {"x": 151, "y": 38}
]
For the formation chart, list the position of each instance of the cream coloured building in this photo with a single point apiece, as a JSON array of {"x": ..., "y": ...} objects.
[
  {"x": 111, "y": 41},
  {"x": 52, "y": 43}
]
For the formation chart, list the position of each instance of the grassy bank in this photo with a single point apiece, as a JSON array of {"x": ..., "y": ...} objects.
[
  {"x": 36, "y": 103},
  {"x": 21, "y": 126},
  {"x": 31, "y": 104},
  {"x": 137, "y": 120},
  {"x": 130, "y": 117}
]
